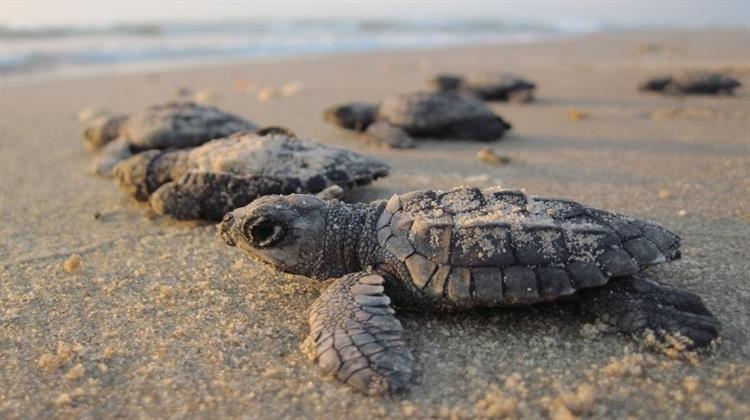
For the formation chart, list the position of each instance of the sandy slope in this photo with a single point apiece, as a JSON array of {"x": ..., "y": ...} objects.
[{"x": 163, "y": 319}]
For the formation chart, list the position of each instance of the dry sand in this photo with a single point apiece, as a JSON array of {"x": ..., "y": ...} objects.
[{"x": 108, "y": 311}]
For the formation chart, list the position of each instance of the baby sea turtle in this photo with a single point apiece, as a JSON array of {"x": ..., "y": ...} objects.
[
  {"x": 173, "y": 125},
  {"x": 458, "y": 250},
  {"x": 396, "y": 121},
  {"x": 488, "y": 86},
  {"x": 208, "y": 181},
  {"x": 692, "y": 82}
]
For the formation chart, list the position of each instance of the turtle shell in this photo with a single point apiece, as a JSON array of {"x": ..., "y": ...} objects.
[
  {"x": 180, "y": 125},
  {"x": 692, "y": 82},
  {"x": 307, "y": 164},
  {"x": 495, "y": 84},
  {"x": 703, "y": 82},
  {"x": 429, "y": 113},
  {"x": 469, "y": 247}
]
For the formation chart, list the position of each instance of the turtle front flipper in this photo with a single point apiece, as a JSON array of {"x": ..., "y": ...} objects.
[
  {"x": 356, "y": 336},
  {"x": 386, "y": 134},
  {"x": 110, "y": 155},
  {"x": 210, "y": 195},
  {"x": 634, "y": 305}
]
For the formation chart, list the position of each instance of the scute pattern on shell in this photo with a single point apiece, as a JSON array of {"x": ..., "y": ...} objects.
[
  {"x": 181, "y": 125},
  {"x": 471, "y": 247},
  {"x": 307, "y": 163},
  {"x": 424, "y": 111}
]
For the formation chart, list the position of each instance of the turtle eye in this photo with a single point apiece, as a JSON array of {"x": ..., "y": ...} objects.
[{"x": 263, "y": 233}]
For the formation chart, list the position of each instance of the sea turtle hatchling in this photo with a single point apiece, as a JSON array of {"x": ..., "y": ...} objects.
[
  {"x": 458, "y": 250},
  {"x": 208, "y": 181},
  {"x": 488, "y": 86},
  {"x": 172, "y": 125},
  {"x": 692, "y": 82},
  {"x": 398, "y": 120}
]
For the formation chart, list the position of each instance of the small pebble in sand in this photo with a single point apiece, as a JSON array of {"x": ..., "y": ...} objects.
[
  {"x": 292, "y": 88},
  {"x": 488, "y": 155},
  {"x": 576, "y": 115},
  {"x": 72, "y": 264},
  {"x": 267, "y": 93},
  {"x": 98, "y": 215},
  {"x": 682, "y": 213},
  {"x": 243, "y": 85},
  {"x": 664, "y": 194},
  {"x": 205, "y": 96}
]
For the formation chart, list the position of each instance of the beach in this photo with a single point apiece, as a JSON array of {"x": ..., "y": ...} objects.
[{"x": 160, "y": 318}]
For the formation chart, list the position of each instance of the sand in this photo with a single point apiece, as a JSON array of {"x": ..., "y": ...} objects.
[{"x": 109, "y": 311}]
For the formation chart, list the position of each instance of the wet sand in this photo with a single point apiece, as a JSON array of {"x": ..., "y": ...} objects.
[{"x": 160, "y": 318}]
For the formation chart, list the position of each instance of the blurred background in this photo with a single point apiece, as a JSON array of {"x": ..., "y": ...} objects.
[{"x": 73, "y": 36}]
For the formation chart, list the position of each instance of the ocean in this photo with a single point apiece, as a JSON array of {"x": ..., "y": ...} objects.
[{"x": 50, "y": 50}]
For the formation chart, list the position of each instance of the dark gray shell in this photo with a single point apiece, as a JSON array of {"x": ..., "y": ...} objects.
[
  {"x": 469, "y": 247},
  {"x": 492, "y": 85},
  {"x": 431, "y": 112},
  {"x": 307, "y": 165},
  {"x": 180, "y": 125},
  {"x": 689, "y": 82}
]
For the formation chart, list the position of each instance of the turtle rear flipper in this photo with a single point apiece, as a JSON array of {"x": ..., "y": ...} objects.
[
  {"x": 635, "y": 305},
  {"x": 355, "y": 336}
]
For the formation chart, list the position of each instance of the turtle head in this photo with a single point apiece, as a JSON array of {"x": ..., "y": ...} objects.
[
  {"x": 446, "y": 82},
  {"x": 99, "y": 130},
  {"x": 354, "y": 115},
  {"x": 656, "y": 84},
  {"x": 285, "y": 231}
]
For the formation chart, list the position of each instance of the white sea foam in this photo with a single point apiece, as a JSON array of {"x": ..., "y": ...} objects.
[{"x": 51, "y": 49}]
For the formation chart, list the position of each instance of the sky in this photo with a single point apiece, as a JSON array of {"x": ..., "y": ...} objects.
[{"x": 677, "y": 13}]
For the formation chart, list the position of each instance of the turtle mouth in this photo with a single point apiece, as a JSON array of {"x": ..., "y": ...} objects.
[{"x": 263, "y": 232}]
